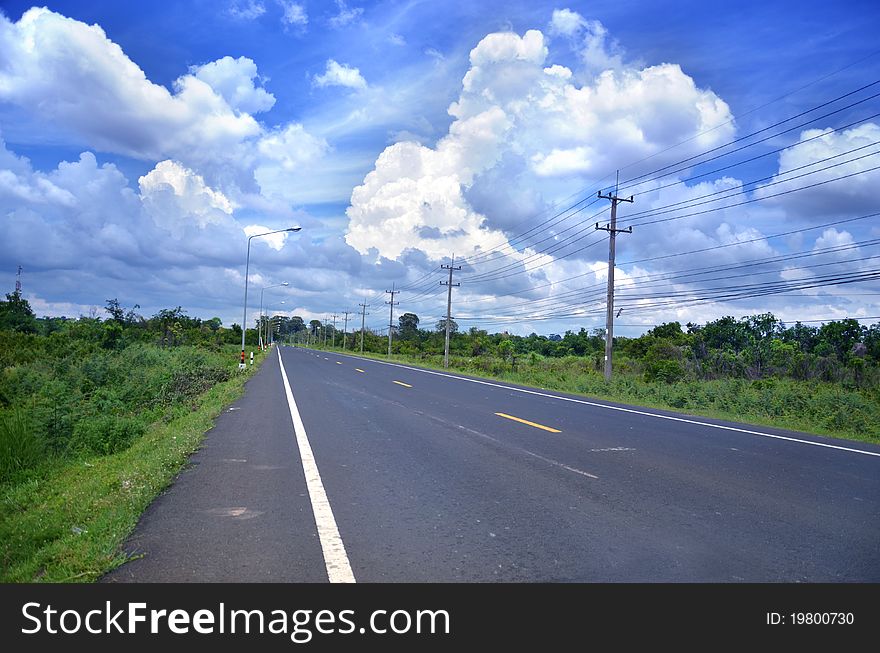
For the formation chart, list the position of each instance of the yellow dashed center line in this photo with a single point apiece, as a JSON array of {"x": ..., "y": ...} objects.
[
  {"x": 525, "y": 421},
  {"x": 405, "y": 385},
  {"x": 357, "y": 369}
]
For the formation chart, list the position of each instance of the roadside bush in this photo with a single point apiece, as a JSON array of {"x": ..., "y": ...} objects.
[
  {"x": 663, "y": 362},
  {"x": 20, "y": 447},
  {"x": 105, "y": 434}
]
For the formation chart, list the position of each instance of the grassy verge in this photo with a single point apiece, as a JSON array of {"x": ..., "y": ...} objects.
[
  {"x": 827, "y": 409},
  {"x": 66, "y": 519}
]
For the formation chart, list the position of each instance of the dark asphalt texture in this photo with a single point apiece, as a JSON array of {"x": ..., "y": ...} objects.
[{"x": 427, "y": 483}]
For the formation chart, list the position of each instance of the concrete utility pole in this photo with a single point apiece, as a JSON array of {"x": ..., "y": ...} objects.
[
  {"x": 391, "y": 304},
  {"x": 333, "y": 337},
  {"x": 326, "y": 322},
  {"x": 449, "y": 283},
  {"x": 612, "y": 231},
  {"x": 364, "y": 314},
  {"x": 345, "y": 330},
  {"x": 18, "y": 282}
]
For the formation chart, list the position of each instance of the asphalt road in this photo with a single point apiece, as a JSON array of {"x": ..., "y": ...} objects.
[{"x": 413, "y": 475}]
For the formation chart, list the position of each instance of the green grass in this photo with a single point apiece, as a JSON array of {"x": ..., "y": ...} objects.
[
  {"x": 65, "y": 519},
  {"x": 827, "y": 409}
]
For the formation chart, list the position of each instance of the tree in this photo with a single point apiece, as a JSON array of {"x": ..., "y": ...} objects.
[
  {"x": 169, "y": 320},
  {"x": 297, "y": 324},
  {"x": 840, "y": 336},
  {"x": 669, "y": 331},
  {"x": 119, "y": 315},
  {"x": 214, "y": 323},
  {"x": 725, "y": 333},
  {"x": 505, "y": 349},
  {"x": 16, "y": 314},
  {"x": 409, "y": 326},
  {"x": 441, "y": 326}
]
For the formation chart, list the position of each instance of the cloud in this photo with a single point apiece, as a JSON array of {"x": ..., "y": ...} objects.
[
  {"x": 275, "y": 241},
  {"x": 519, "y": 114},
  {"x": 345, "y": 16},
  {"x": 250, "y": 11},
  {"x": 435, "y": 54},
  {"x": 590, "y": 37},
  {"x": 337, "y": 74},
  {"x": 290, "y": 163},
  {"x": 828, "y": 155},
  {"x": 71, "y": 74},
  {"x": 566, "y": 22},
  {"x": 175, "y": 196},
  {"x": 396, "y": 39},
  {"x": 233, "y": 79},
  {"x": 84, "y": 235},
  {"x": 291, "y": 147},
  {"x": 71, "y": 77},
  {"x": 293, "y": 14}
]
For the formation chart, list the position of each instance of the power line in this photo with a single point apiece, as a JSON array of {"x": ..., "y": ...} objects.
[
  {"x": 685, "y": 253},
  {"x": 629, "y": 182}
]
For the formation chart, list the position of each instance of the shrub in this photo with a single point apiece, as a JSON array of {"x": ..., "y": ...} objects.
[
  {"x": 20, "y": 447},
  {"x": 105, "y": 434}
]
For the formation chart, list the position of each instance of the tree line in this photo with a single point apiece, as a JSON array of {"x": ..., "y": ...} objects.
[{"x": 750, "y": 347}]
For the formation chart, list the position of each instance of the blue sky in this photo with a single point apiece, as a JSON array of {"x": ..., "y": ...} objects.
[{"x": 142, "y": 144}]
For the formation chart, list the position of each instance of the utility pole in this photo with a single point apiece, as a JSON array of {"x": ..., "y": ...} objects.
[
  {"x": 449, "y": 283},
  {"x": 391, "y": 304},
  {"x": 333, "y": 337},
  {"x": 18, "y": 282},
  {"x": 364, "y": 314},
  {"x": 326, "y": 321},
  {"x": 345, "y": 330},
  {"x": 612, "y": 233}
]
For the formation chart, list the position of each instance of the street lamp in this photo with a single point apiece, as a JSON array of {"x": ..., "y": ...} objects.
[
  {"x": 247, "y": 265},
  {"x": 283, "y": 283}
]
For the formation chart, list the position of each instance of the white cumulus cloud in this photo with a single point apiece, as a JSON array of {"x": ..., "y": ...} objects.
[
  {"x": 234, "y": 80},
  {"x": 566, "y": 22},
  {"x": 71, "y": 74},
  {"x": 821, "y": 158},
  {"x": 275, "y": 241},
  {"x": 337, "y": 74},
  {"x": 525, "y": 116},
  {"x": 175, "y": 196}
]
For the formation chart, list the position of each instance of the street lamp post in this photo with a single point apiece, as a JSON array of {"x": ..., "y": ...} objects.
[
  {"x": 247, "y": 265},
  {"x": 283, "y": 283}
]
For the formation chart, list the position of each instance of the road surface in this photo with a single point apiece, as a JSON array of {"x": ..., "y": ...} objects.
[{"x": 373, "y": 472}]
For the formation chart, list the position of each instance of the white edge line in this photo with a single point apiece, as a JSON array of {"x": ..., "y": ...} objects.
[
  {"x": 628, "y": 410},
  {"x": 335, "y": 557}
]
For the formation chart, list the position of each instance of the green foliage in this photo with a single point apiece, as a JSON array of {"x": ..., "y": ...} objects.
[
  {"x": 409, "y": 326},
  {"x": 105, "y": 434},
  {"x": 86, "y": 387},
  {"x": 66, "y": 520},
  {"x": 21, "y": 447},
  {"x": 663, "y": 360},
  {"x": 16, "y": 314}
]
